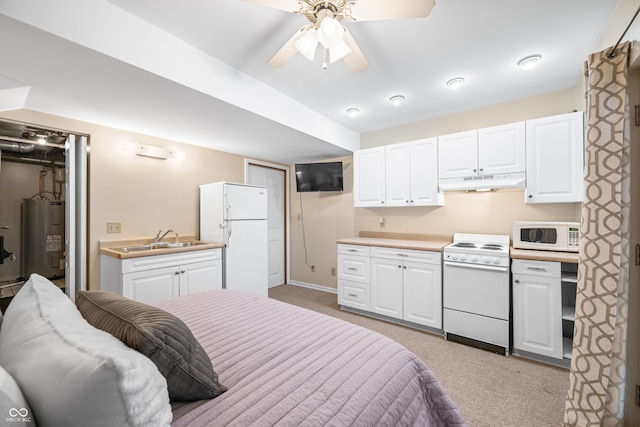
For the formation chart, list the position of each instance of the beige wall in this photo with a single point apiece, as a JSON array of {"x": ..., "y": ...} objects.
[
  {"x": 327, "y": 216},
  {"x": 145, "y": 194}
]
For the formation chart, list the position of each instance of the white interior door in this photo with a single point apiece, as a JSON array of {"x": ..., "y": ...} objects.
[{"x": 274, "y": 179}]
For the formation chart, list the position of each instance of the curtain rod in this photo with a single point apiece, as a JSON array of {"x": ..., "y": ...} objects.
[{"x": 614, "y": 52}]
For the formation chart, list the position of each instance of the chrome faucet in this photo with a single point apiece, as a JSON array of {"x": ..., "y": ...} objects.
[{"x": 159, "y": 238}]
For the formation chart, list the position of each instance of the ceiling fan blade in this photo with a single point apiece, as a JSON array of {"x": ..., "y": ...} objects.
[
  {"x": 286, "y": 5},
  {"x": 287, "y": 51},
  {"x": 355, "y": 60},
  {"x": 374, "y": 10}
]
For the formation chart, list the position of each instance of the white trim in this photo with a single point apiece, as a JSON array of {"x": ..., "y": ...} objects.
[
  {"x": 314, "y": 286},
  {"x": 287, "y": 208}
]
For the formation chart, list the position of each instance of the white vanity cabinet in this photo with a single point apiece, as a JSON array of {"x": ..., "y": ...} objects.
[
  {"x": 154, "y": 278},
  {"x": 411, "y": 175},
  {"x": 543, "y": 307},
  {"x": 555, "y": 159},
  {"x": 407, "y": 284}
]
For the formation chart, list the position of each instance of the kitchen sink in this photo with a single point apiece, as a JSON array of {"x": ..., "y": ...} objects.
[{"x": 158, "y": 246}]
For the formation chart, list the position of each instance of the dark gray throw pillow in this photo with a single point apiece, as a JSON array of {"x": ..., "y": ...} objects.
[{"x": 160, "y": 336}]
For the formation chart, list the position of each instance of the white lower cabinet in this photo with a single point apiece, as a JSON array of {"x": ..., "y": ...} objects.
[
  {"x": 159, "y": 277},
  {"x": 543, "y": 307},
  {"x": 403, "y": 284}
]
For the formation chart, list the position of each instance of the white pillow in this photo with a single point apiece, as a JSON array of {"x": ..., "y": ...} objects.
[
  {"x": 73, "y": 374},
  {"x": 13, "y": 406}
]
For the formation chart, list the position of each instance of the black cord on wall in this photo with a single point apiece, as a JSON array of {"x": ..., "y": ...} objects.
[{"x": 304, "y": 236}]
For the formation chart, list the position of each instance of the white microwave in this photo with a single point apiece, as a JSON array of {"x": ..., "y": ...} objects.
[{"x": 549, "y": 236}]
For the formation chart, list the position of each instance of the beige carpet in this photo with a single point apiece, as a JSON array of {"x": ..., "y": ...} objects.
[{"x": 490, "y": 389}]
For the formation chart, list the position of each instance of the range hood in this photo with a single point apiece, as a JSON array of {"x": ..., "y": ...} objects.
[{"x": 483, "y": 182}]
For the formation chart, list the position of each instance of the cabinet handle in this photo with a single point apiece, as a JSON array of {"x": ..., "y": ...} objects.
[
  {"x": 352, "y": 250},
  {"x": 530, "y": 196},
  {"x": 516, "y": 281},
  {"x": 481, "y": 169},
  {"x": 399, "y": 266},
  {"x": 403, "y": 255},
  {"x": 475, "y": 170},
  {"x": 404, "y": 266},
  {"x": 353, "y": 295},
  {"x": 537, "y": 268},
  {"x": 176, "y": 273},
  {"x": 182, "y": 271}
]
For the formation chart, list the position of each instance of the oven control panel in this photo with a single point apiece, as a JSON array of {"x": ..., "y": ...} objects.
[{"x": 477, "y": 259}]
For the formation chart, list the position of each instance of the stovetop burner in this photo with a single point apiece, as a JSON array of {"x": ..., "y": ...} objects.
[
  {"x": 492, "y": 247},
  {"x": 464, "y": 245}
]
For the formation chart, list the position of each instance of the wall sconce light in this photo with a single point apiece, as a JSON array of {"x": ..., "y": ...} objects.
[{"x": 155, "y": 152}]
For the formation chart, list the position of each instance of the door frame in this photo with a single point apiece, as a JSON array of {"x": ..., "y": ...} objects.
[{"x": 287, "y": 228}]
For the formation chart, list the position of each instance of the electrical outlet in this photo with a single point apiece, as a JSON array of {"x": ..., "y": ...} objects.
[
  {"x": 313, "y": 268},
  {"x": 333, "y": 271},
  {"x": 114, "y": 227}
]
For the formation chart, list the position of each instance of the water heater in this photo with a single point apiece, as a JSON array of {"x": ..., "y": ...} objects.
[{"x": 42, "y": 246}]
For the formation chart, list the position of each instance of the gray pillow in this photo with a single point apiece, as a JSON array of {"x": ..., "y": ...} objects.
[{"x": 160, "y": 336}]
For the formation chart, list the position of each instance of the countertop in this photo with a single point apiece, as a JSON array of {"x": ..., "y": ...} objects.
[
  {"x": 570, "y": 257},
  {"x": 106, "y": 247},
  {"x": 399, "y": 241}
]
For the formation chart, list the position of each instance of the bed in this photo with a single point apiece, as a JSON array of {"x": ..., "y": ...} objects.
[{"x": 280, "y": 365}]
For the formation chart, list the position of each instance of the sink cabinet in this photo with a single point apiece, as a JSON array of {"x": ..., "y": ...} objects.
[{"x": 156, "y": 278}]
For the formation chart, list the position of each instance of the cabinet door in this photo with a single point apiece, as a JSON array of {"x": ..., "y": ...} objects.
[
  {"x": 501, "y": 149},
  {"x": 423, "y": 167},
  {"x": 422, "y": 284},
  {"x": 151, "y": 286},
  {"x": 458, "y": 154},
  {"x": 200, "y": 277},
  {"x": 555, "y": 159},
  {"x": 537, "y": 311},
  {"x": 397, "y": 175},
  {"x": 386, "y": 287},
  {"x": 369, "y": 177}
]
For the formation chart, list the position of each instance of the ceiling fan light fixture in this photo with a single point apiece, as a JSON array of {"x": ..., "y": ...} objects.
[
  {"x": 397, "y": 99},
  {"x": 308, "y": 43},
  {"x": 339, "y": 51},
  {"x": 330, "y": 33},
  {"x": 455, "y": 83},
  {"x": 528, "y": 62}
]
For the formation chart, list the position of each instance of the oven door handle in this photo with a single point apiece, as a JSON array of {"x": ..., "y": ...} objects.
[{"x": 476, "y": 266}]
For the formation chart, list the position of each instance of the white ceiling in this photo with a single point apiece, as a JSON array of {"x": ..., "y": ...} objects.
[{"x": 195, "y": 71}]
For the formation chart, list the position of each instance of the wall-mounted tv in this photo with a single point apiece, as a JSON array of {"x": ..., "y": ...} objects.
[{"x": 319, "y": 177}]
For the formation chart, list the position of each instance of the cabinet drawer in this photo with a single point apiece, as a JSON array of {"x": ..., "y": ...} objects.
[
  {"x": 131, "y": 265},
  {"x": 354, "y": 268},
  {"x": 354, "y": 250},
  {"x": 352, "y": 294},
  {"x": 536, "y": 268},
  {"x": 407, "y": 255}
]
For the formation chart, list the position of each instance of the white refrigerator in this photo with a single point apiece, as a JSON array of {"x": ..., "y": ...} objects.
[{"x": 236, "y": 215}]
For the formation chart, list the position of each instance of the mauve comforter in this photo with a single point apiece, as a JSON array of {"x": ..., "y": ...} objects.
[{"x": 288, "y": 366}]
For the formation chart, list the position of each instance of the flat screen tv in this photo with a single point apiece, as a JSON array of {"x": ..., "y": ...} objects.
[{"x": 319, "y": 177}]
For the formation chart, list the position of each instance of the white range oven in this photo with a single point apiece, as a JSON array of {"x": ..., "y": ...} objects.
[{"x": 476, "y": 298}]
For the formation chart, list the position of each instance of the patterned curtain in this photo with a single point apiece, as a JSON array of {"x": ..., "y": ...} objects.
[{"x": 598, "y": 366}]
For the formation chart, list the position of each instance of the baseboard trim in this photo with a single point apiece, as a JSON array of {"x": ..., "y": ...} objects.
[{"x": 314, "y": 286}]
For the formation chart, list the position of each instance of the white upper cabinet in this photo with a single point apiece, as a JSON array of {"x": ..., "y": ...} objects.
[
  {"x": 555, "y": 159},
  {"x": 486, "y": 151},
  {"x": 412, "y": 174},
  {"x": 458, "y": 154},
  {"x": 369, "y": 177},
  {"x": 501, "y": 149}
]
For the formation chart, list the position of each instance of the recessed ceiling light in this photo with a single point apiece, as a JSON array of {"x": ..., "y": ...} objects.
[
  {"x": 528, "y": 62},
  {"x": 455, "y": 83},
  {"x": 353, "y": 112},
  {"x": 397, "y": 99}
]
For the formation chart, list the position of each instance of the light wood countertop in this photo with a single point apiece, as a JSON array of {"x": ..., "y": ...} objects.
[
  {"x": 420, "y": 242},
  {"x": 108, "y": 247},
  {"x": 570, "y": 257}
]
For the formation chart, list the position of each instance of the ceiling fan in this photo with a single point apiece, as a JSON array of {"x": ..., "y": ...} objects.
[{"x": 325, "y": 27}]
